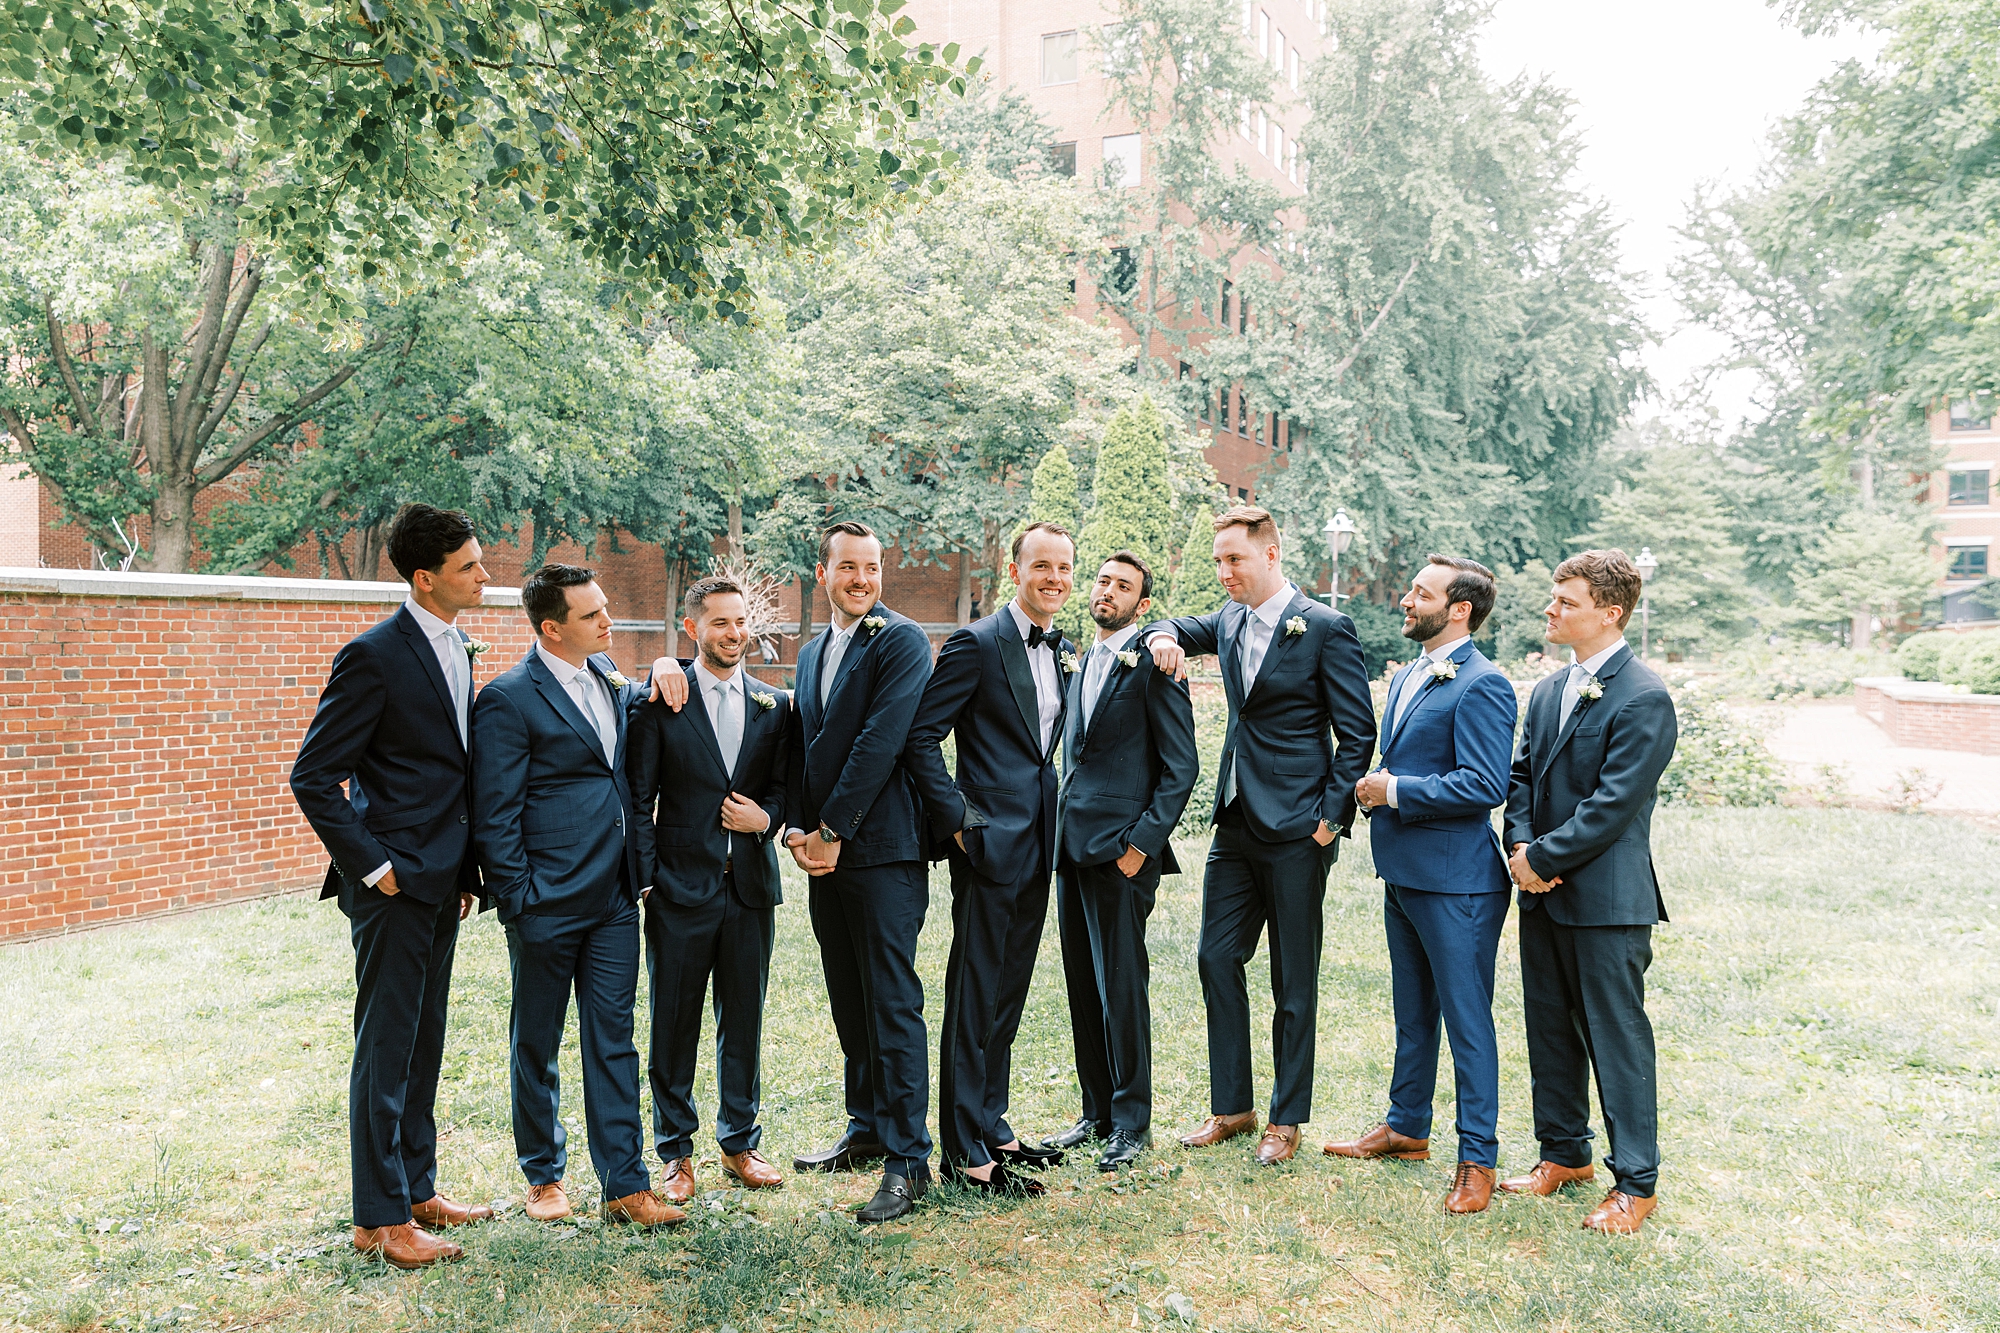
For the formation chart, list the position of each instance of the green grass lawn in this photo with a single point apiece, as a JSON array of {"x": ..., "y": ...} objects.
[{"x": 173, "y": 1143}]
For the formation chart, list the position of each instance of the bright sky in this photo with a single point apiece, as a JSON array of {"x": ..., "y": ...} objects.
[{"x": 1668, "y": 96}]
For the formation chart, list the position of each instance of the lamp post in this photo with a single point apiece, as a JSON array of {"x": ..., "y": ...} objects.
[
  {"x": 1339, "y": 531},
  {"x": 1647, "y": 568}
]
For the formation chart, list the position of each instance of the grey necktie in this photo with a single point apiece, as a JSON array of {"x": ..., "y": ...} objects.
[
  {"x": 590, "y": 696},
  {"x": 1256, "y": 642},
  {"x": 461, "y": 679},
  {"x": 727, "y": 717},
  {"x": 1572, "y": 691},
  {"x": 829, "y": 667},
  {"x": 1419, "y": 673},
  {"x": 1095, "y": 674}
]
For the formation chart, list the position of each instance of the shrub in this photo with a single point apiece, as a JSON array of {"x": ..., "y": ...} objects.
[
  {"x": 1973, "y": 661},
  {"x": 1794, "y": 672},
  {"x": 1721, "y": 758},
  {"x": 1918, "y": 657}
]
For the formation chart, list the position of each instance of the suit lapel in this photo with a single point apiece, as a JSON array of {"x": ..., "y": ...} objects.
[
  {"x": 1425, "y": 691},
  {"x": 1235, "y": 617},
  {"x": 810, "y": 657},
  {"x": 1114, "y": 679},
  {"x": 413, "y": 635},
  {"x": 697, "y": 711},
  {"x": 559, "y": 699},
  {"x": 1275, "y": 650},
  {"x": 1390, "y": 725},
  {"x": 1604, "y": 678},
  {"x": 856, "y": 645},
  {"x": 1073, "y": 727},
  {"x": 1014, "y": 659}
]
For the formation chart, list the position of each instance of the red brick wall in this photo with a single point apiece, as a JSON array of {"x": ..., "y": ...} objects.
[{"x": 1964, "y": 722}]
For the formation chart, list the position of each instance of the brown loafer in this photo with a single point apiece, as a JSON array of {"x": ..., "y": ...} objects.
[
  {"x": 750, "y": 1168},
  {"x": 678, "y": 1185},
  {"x": 406, "y": 1246},
  {"x": 1277, "y": 1145},
  {"x": 1382, "y": 1141},
  {"x": 1471, "y": 1189},
  {"x": 644, "y": 1209},
  {"x": 1547, "y": 1178},
  {"x": 1219, "y": 1128},
  {"x": 1620, "y": 1214},
  {"x": 547, "y": 1203},
  {"x": 438, "y": 1211}
]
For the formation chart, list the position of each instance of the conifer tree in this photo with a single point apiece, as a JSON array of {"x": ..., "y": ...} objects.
[
  {"x": 1132, "y": 500},
  {"x": 1194, "y": 589},
  {"x": 1051, "y": 499}
]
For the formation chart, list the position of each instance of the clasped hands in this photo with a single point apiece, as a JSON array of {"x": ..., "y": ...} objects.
[{"x": 1524, "y": 874}]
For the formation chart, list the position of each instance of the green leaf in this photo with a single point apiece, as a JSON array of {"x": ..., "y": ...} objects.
[{"x": 399, "y": 67}]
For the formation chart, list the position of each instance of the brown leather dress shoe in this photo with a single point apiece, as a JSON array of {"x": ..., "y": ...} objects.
[
  {"x": 1277, "y": 1145},
  {"x": 1620, "y": 1214},
  {"x": 677, "y": 1186},
  {"x": 1471, "y": 1189},
  {"x": 1219, "y": 1128},
  {"x": 438, "y": 1211},
  {"x": 751, "y": 1170},
  {"x": 406, "y": 1246},
  {"x": 1546, "y": 1179},
  {"x": 644, "y": 1209},
  {"x": 1382, "y": 1141},
  {"x": 547, "y": 1203}
]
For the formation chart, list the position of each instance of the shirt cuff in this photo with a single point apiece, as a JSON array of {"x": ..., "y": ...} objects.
[
  {"x": 374, "y": 876},
  {"x": 1392, "y": 791}
]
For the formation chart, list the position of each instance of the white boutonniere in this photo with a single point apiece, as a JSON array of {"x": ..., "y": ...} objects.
[
  {"x": 764, "y": 701},
  {"x": 1129, "y": 656},
  {"x": 1296, "y": 625},
  {"x": 1068, "y": 660},
  {"x": 1592, "y": 688},
  {"x": 473, "y": 648},
  {"x": 1447, "y": 669},
  {"x": 615, "y": 680},
  {"x": 872, "y": 624}
]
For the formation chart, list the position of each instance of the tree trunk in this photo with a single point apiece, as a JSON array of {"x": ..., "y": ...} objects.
[
  {"x": 736, "y": 530},
  {"x": 806, "y": 587},
  {"x": 673, "y": 613},
  {"x": 964, "y": 588}
]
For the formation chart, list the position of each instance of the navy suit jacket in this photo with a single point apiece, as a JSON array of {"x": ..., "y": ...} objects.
[
  {"x": 1581, "y": 796},
  {"x": 553, "y": 821},
  {"x": 1004, "y": 796},
  {"x": 674, "y": 767},
  {"x": 849, "y": 772},
  {"x": 392, "y": 738},
  {"x": 1450, "y": 757},
  {"x": 1127, "y": 772},
  {"x": 1302, "y": 737}
]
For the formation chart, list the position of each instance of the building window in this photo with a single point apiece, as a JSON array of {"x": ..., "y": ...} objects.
[
  {"x": 1242, "y": 313},
  {"x": 1244, "y": 128},
  {"x": 1222, "y": 311},
  {"x": 1058, "y": 58},
  {"x": 1123, "y": 275},
  {"x": 1121, "y": 48},
  {"x": 1247, "y": 7},
  {"x": 1968, "y": 486},
  {"x": 1292, "y": 161},
  {"x": 1967, "y": 562},
  {"x": 1062, "y": 159},
  {"x": 1295, "y": 69},
  {"x": 1971, "y": 414},
  {"x": 1242, "y": 413},
  {"x": 1278, "y": 146},
  {"x": 1278, "y": 51},
  {"x": 1121, "y": 160},
  {"x": 1263, "y": 34}
]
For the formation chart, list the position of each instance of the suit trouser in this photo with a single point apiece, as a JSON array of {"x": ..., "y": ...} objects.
[
  {"x": 1584, "y": 992},
  {"x": 867, "y": 920},
  {"x": 597, "y": 957},
  {"x": 1115, "y": 910},
  {"x": 403, "y": 952},
  {"x": 1086, "y": 1011},
  {"x": 996, "y": 935},
  {"x": 1441, "y": 950},
  {"x": 1251, "y": 883},
  {"x": 685, "y": 947}
]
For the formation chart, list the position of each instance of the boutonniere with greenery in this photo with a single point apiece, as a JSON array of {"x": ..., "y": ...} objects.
[
  {"x": 1296, "y": 625},
  {"x": 872, "y": 624},
  {"x": 615, "y": 680},
  {"x": 473, "y": 648},
  {"x": 764, "y": 701},
  {"x": 1129, "y": 656},
  {"x": 1068, "y": 660},
  {"x": 1592, "y": 688},
  {"x": 1445, "y": 669}
]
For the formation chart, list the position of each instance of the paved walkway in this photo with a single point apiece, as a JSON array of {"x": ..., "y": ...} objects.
[{"x": 1830, "y": 732}]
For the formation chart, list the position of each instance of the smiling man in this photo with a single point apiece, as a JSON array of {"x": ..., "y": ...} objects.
[{"x": 997, "y": 686}]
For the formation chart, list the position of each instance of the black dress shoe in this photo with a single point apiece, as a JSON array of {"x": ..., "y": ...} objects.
[
  {"x": 1002, "y": 1181},
  {"x": 1082, "y": 1132},
  {"x": 1029, "y": 1155},
  {"x": 895, "y": 1197},
  {"x": 846, "y": 1153},
  {"x": 1123, "y": 1149}
]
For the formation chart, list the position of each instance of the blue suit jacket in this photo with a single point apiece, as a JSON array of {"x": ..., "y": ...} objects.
[
  {"x": 850, "y": 773},
  {"x": 1301, "y": 738},
  {"x": 1004, "y": 796},
  {"x": 1450, "y": 756},
  {"x": 553, "y": 821},
  {"x": 385, "y": 727}
]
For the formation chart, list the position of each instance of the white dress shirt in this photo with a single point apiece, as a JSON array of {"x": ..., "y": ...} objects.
[
  {"x": 590, "y": 694},
  {"x": 1419, "y": 676},
  {"x": 838, "y": 641},
  {"x": 1097, "y": 667},
  {"x": 457, "y": 668},
  {"x": 1578, "y": 673},
  {"x": 1048, "y": 678},
  {"x": 725, "y": 699}
]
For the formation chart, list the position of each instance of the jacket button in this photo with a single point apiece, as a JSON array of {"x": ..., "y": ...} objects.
[{"x": 461, "y": 819}]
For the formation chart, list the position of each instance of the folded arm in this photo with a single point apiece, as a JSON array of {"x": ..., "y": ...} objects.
[
  {"x": 947, "y": 694},
  {"x": 1170, "y": 713},
  {"x": 642, "y": 775}
]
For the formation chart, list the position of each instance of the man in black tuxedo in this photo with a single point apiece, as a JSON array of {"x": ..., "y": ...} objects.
[
  {"x": 391, "y": 725},
  {"x": 1129, "y": 762},
  {"x": 717, "y": 772},
  {"x": 1579, "y": 821},
  {"x": 854, "y": 829},
  {"x": 553, "y": 821},
  {"x": 998, "y": 686},
  {"x": 1301, "y": 729}
]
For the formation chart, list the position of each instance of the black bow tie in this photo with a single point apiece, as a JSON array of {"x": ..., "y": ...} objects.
[{"x": 1037, "y": 636}]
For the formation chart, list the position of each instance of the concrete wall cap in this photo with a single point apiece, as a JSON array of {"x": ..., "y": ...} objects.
[
  {"x": 211, "y": 587},
  {"x": 1924, "y": 691}
]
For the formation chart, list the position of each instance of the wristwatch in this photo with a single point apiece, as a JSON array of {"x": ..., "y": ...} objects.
[{"x": 826, "y": 834}]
